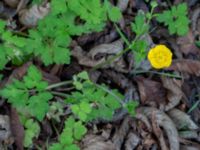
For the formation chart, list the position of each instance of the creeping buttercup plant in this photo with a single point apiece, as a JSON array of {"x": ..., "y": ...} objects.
[{"x": 29, "y": 94}]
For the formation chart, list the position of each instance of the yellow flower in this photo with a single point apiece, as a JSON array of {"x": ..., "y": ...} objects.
[{"x": 160, "y": 57}]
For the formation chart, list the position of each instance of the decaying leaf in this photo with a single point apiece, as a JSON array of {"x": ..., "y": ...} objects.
[
  {"x": 99, "y": 54},
  {"x": 30, "y": 17},
  {"x": 182, "y": 120},
  {"x": 5, "y": 131},
  {"x": 94, "y": 142},
  {"x": 144, "y": 119},
  {"x": 165, "y": 122},
  {"x": 189, "y": 134},
  {"x": 159, "y": 133},
  {"x": 187, "y": 44},
  {"x": 121, "y": 133},
  {"x": 17, "y": 129},
  {"x": 174, "y": 93},
  {"x": 151, "y": 92},
  {"x": 122, "y": 4},
  {"x": 6, "y": 12},
  {"x": 12, "y": 3},
  {"x": 187, "y": 66},
  {"x": 132, "y": 141},
  {"x": 187, "y": 147}
]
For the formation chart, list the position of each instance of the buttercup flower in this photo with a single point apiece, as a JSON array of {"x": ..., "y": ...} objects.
[{"x": 160, "y": 57}]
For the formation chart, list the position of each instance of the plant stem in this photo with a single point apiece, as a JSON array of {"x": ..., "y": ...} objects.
[
  {"x": 60, "y": 94},
  {"x": 159, "y": 73},
  {"x": 111, "y": 93},
  {"x": 122, "y": 35},
  {"x": 59, "y": 84}
]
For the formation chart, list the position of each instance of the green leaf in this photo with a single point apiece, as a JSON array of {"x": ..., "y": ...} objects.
[
  {"x": 85, "y": 107},
  {"x": 41, "y": 103},
  {"x": 114, "y": 14},
  {"x": 139, "y": 26},
  {"x": 2, "y": 26},
  {"x": 58, "y": 7},
  {"x": 17, "y": 93},
  {"x": 79, "y": 130},
  {"x": 72, "y": 147},
  {"x": 131, "y": 107},
  {"x": 75, "y": 109},
  {"x": 176, "y": 19},
  {"x": 32, "y": 130},
  {"x": 56, "y": 146},
  {"x": 83, "y": 75}
]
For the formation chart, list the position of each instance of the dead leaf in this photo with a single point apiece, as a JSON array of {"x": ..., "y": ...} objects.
[
  {"x": 17, "y": 129},
  {"x": 5, "y": 131},
  {"x": 186, "y": 66},
  {"x": 100, "y": 54},
  {"x": 188, "y": 134},
  {"x": 158, "y": 132},
  {"x": 30, "y": 17},
  {"x": 187, "y": 147},
  {"x": 144, "y": 119},
  {"x": 122, "y": 4},
  {"x": 94, "y": 142},
  {"x": 181, "y": 119},
  {"x": 187, "y": 44},
  {"x": 121, "y": 133},
  {"x": 12, "y": 3},
  {"x": 19, "y": 72},
  {"x": 6, "y": 12},
  {"x": 165, "y": 122},
  {"x": 132, "y": 141},
  {"x": 174, "y": 93},
  {"x": 151, "y": 92}
]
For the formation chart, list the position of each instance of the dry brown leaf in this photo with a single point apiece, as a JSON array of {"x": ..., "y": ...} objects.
[
  {"x": 165, "y": 122},
  {"x": 30, "y": 17},
  {"x": 17, "y": 129},
  {"x": 5, "y": 130},
  {"x": 144, "y": 119},
  {"x": 187, "y": 45},
  {"x": 101, "y": 53},
  {"x": 121, "y": 133},
  {"x": 122, "y": 4},
  {"x": 94, "y": 142},
  {"x": 182, "y": 120},
  {"x": 151, "y": 92},
  {"x": 186, "y": 65},
  {"x": 12, "y": 3},
  {"x": 187, "y": 147},
  {"x": 188, "y": 134},
  {"x": 132, "y": 141},
  {"x": 174, "y": 93},
  {"x": 158, "y": 132}
]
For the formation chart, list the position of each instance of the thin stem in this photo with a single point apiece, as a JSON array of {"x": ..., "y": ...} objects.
[
  {"x": 194, "y": 106},
  {"x": 122, "y": 35},
  {"x": 159, "y": 73},
  {"x": 57, "y": 133},
  {"x": 60, "y": 94},
  {"x": 65, "y": 89},
  {"x": 59, "y": 84},
  {"x": 111, "y": 93}
]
